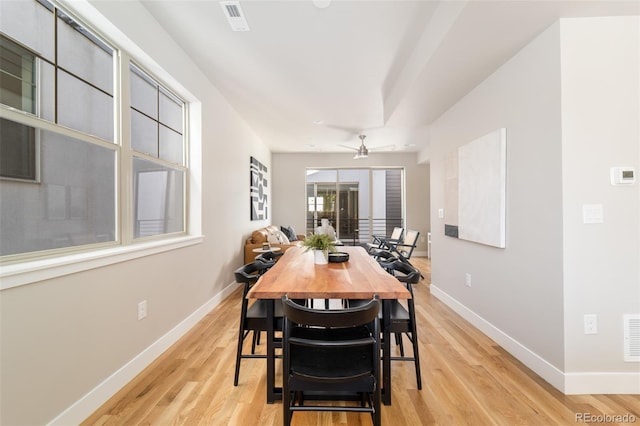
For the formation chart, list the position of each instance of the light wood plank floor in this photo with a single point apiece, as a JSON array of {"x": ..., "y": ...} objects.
[{"x": 467, "y": 380}]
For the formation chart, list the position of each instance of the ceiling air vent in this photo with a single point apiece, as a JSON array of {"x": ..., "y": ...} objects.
[
  {"x": 235, "y": 16},
  {"x": 632, "y": 338}
]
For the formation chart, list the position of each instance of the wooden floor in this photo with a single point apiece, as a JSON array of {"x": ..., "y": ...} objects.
[{"x": 467, "y": 380}]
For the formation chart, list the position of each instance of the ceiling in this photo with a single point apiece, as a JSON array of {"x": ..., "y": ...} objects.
[{"x": 310, "y": 79}]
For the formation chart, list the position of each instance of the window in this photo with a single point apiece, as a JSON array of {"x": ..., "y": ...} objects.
[
  {"x": 17, "y": 151},
  {"x": 17, "y": 76},
  {"x": 17, "y": 81},
  {"x": 64, "y": 157},
  {"x": 157, "y": 121},
  {"x": 158, "y": 194}
]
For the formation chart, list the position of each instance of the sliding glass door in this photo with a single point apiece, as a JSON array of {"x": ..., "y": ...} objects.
[
  {"x": 348, "y": 218},
  {"x": 321, "y": 203},
  {"x": 357, "y": 202}
]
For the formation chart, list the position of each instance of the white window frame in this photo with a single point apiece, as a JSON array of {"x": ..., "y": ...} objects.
[
  {"x": 131, "y": 153},
  {"x": 27, "y": 268}
]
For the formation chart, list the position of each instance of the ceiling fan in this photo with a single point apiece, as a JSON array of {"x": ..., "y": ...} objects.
[{"x": 362, "y": 151}]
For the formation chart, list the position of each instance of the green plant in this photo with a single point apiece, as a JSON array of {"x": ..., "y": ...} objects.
[{"x": 319, "y": 242}]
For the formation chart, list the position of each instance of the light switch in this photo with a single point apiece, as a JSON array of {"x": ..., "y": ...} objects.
[
  {"x": 441, "y": 213},
  {"x": 592, "y": 213}
]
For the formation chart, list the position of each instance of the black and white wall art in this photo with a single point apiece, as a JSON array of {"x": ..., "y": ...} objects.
[{"x": 258, "y": 189}]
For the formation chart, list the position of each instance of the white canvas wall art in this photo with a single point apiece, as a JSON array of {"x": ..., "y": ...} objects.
[{"x": 477, "y": 204}]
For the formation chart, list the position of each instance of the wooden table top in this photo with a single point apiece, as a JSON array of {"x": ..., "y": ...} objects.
[{"x": 296, "y": 275}]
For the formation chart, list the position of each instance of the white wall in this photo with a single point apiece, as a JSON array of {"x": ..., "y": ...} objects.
[
  {"x": 516, "y": 290},
  {"x": 569, "y": 101},
  {"x": 600, "y": 130},
  {"x": 62, "y": 337},
  {"x": 289, "y": 197}
]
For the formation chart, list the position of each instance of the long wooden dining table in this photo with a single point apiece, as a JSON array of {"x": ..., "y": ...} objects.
[{"x": 297, "y": 276}]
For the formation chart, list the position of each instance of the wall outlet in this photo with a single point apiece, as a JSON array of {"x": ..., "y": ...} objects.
[
  {"x": 590, "y": 324},
  {"x": 467, "y": 279},
  {"x": 142, "y": 310}
]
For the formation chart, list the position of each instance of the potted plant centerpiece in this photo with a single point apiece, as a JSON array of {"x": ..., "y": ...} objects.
[{"x": 321, "y": 245}]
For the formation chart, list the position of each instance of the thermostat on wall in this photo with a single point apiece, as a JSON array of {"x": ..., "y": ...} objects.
[{"x": 623, "y": 175}]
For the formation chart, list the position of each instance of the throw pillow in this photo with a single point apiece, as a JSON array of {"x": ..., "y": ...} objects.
[
  {"x": 285, "y": 231},
  {"x": 272, "y": 237},
  {"x": 294, "y": 236},
  {"x": 276, "y": 237},
  {"x": 282, "y": 237},
  {"x": 289, "y": 232}
]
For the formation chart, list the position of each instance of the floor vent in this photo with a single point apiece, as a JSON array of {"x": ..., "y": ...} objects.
[
  {"x": 632, "y": 338},
  {"x": 234, "y": 15}
]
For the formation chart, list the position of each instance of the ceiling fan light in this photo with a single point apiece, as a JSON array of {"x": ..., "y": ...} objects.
[{"x": 362, "y": 153}]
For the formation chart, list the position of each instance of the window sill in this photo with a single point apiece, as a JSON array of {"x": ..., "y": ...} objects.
[{"x": 23, "y": 273}]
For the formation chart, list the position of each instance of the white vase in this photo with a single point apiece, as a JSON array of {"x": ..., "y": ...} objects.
[{"x": 319, "y": 257}]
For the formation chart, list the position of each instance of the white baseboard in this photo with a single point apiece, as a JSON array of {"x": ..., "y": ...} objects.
[
  {"x": 89, "y": 403},
  {"x": 541, "y": 367},
  {"x": 602, "y": 383},
  {"x": 567, "y": 383}
]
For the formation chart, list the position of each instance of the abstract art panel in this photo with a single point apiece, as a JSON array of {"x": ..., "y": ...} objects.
[
  {"x": 258, "y": 189},
  {"x": 475, "y": 184}
]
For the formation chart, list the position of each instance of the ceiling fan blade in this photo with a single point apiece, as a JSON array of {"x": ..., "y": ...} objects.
[
  {"x": 381, "y": 148},
  {"x": 349, "y": 147}
]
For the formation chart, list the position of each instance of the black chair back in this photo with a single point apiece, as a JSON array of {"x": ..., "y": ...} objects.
[
  {"x": 331, "y": 354},
  {"x": 403, "y": 271},
  {"x": 249, "y": 273},
  {"x": 330, "y": 318},
  {"x": 269, "y": 257}
]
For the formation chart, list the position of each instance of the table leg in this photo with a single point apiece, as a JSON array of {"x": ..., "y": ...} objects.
[
  {"x": 386, "y": 352},
  {"x": 271, "y": 353}
]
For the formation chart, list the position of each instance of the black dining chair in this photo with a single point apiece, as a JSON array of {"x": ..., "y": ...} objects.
[
  {"x": 331, "y": 355},
  {"x": 382, "y": 255},
  {"x": 253, "y": 319},
  {"x": 403, "y": 320},
  {"x": 269, "y": 257}
]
